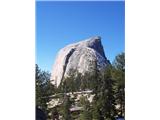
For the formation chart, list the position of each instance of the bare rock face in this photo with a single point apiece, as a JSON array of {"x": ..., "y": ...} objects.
[{"x": 81, "y": 57}]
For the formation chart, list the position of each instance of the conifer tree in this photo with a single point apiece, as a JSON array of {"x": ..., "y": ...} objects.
[
  {"x": 43, "y": 88},
  {"x": 65, "y": 109},
  {"x": 108, "y": 95},
  {"x": 104, "y": 100},
  {"x": 86, "y": 113},
  {"x": 119, "y": 75}
]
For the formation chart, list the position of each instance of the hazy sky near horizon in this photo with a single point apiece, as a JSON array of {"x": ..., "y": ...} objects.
[{"x": 61, "y": 23}]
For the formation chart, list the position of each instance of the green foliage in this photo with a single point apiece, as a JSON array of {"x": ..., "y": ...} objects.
[
  {"x": 86, "y": 113},
  {"x": 108, "y": 88},
  {"x": 109, "y": 92},
  {"x": 43, "y": 88},
  {"x": 65, "y": 108},
  {"x": 68, "y": 83},
  {"x": 77, "y": 82},
  {"x": 104, "y": 100},
  {"x": 119, "y": 62},
  {"x": 118, "y": 73}
]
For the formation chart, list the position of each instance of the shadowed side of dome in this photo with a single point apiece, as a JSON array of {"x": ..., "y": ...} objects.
[{"x": 96, "y": 44}]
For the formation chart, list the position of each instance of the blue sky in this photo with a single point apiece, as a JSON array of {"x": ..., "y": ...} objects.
[{"x": 62, "y": 23}]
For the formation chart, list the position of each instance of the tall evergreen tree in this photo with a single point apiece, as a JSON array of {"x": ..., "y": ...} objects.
[
  {"x": 119, "y": 62},
  {"x": 96, "y": 109},
  {"x": 96, "y": 87},
  {"x": 107, "y": 93},
  {"x": 43, "y": 88},
  {"x": 119, "y": 75},
  {"x": 65, "y": 109},
  {"x": 104, "y": 100},
  {"x": 86, "y": 113}
]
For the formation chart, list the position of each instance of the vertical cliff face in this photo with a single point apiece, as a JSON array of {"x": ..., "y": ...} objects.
[{"x": 79, "y": 56}]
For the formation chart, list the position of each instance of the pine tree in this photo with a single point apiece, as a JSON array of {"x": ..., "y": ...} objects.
[
  {"x": 119, "y": 75},
  {"x": 119, "y": 62},
  {"x": 96, "y": 87},
  {"x": 96, "y": 110},
  {"x": 104, "y": 100},
  {"x": 108, "y": 95},
  {"x": 86, "y": 113},
  {"x": 65, "y": 109},
  {"x": 43, "y": 88},
  {"x": 39, "y": 89}
]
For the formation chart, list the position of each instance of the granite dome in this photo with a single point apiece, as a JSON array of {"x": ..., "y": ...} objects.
[{"x": 79, "y": 56}]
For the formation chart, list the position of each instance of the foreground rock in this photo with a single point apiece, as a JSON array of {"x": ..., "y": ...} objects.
[{"x": 84, "y": 56}]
